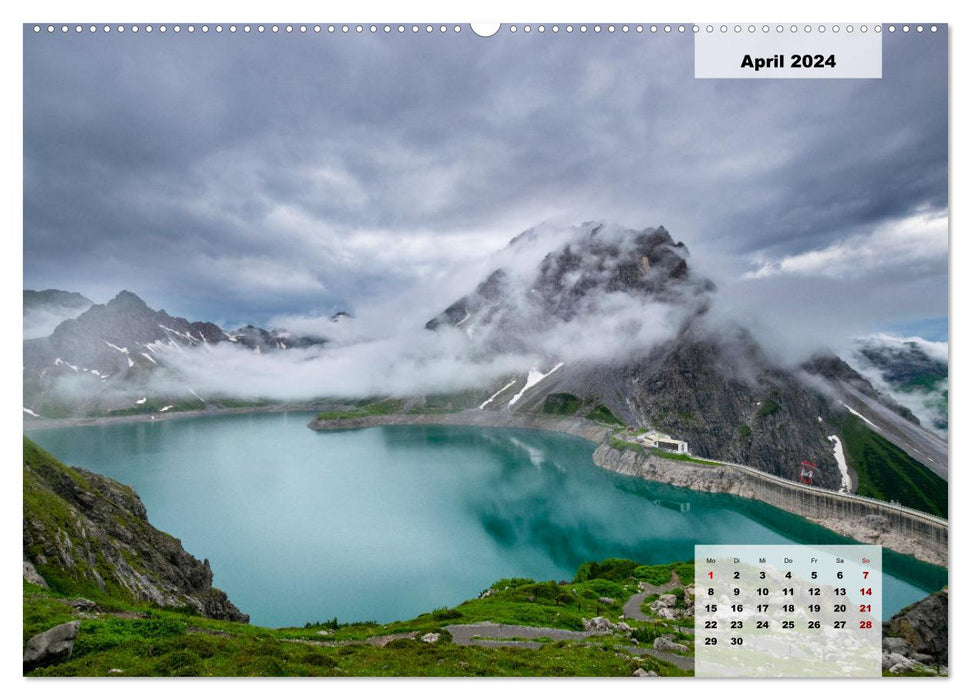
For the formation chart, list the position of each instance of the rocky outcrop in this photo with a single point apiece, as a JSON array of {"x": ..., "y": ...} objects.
[
  {"x": 916, "y": 638},
  {"x": 91, "y": 532},
  {"x": 31, "y": 575},
  {"x": 50, "y": 647}
]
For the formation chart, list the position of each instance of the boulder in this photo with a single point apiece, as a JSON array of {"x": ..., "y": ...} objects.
[
  {"x": 607, "y": 601},
  {"x": 597, "y": 624},
  {"x": 83, "y": 604},
  {"x": 667, "y": 600},
  {"x": 664, "y": 644},
  {"x": 31, "y": 575},
  {"x": 431, "y": 637},
  {"x": 898, "y": 661},
  {"x": 897, "y": 645},
  {"x": 689, "y": 596},
  {"x": 50, "y": 647},
  {"x": 641, "y": 673}
]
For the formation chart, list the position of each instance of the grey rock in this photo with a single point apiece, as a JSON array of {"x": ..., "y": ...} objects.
[
  {"x": 898, "y": 660},
  {"x": 83, "y": 604},
  {"x": 664, "y": 644},
  {"x": 923, "y": 626},
  {"x": 53, "y": 646},
  {"x": 607, "y": 601},
  {"x": 597, "y": 624},
  {"x": 31, "y": 575},
  {"x": 667, "y": 600},
  {"x": 641, "y": 673},
  {"x": 897, "y": 645},
  {"x": 431, "y": 637},
  {"x": 116, "y": 672}
]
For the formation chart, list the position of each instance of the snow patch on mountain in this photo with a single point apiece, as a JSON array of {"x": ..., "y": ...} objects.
[
  {"x": 860, "y": 415},
  {"x": 492, "y": 398},
  {"x": 532, "y": 379},
  {"x": 840, "y": 456}
]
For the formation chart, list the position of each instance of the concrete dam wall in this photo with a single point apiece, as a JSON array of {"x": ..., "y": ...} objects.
[{"x": 867, "y": 520}]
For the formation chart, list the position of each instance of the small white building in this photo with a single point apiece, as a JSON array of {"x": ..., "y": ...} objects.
[{"x": 663, "y": 442}]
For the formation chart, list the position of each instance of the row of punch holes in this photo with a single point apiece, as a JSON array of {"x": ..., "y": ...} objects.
[{"x": 444, "y": 28}]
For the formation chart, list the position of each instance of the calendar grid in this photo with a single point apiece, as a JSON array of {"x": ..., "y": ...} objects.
[{"x": 788, "y": 610}]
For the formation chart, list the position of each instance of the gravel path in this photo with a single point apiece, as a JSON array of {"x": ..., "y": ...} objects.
[
  {"x": 488, "y": 634},
  {"x": 632, "y": 608},
  {"x": 466, "y": 634},
  {"x": 686, "y": 663}
]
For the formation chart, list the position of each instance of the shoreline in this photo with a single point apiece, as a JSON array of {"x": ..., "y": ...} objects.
[
  {"x": 683, "y": 474},
  {"x": 902, "y": 530},
  {"x": 578, "y": 427},
  {"x": 50, "y": 423}
]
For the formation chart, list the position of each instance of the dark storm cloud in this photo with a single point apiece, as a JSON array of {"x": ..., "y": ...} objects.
[{"x": 241, "y": 176}]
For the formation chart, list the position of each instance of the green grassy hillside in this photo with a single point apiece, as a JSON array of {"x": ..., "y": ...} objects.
[
  {"x": 888, "y": 473},
  {"x": 125, "y": 639}
]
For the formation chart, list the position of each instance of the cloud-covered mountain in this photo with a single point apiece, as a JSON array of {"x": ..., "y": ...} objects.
[
  {"x": 104, "y": 360},
  {"x": 44, "y": 310},
  {"x": 621, "y": 320},
  {"x": 913, "y": 370}
]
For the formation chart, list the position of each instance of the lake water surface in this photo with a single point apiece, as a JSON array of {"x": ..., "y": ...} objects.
[{"x": 389, "y": 522}]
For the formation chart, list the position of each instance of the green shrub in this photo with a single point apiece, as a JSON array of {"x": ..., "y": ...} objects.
[
  {"x": 609, "y": 569},
  {"x": 767, "y": 408},
  {"x": 561, "y": 404},
  {"x": 602, "y": 414}
]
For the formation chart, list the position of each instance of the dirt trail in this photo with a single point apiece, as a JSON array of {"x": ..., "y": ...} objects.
[
  {"x": 632, "y": 608},
  {"x": 468, "y": 634}
]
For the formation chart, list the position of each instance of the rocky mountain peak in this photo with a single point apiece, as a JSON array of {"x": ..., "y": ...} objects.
[
  {"x": 581, "y": 265},
  {"x": 127, "y": 300}
]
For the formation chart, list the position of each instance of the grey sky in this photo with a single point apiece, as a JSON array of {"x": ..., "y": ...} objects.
[{"x": 241, "y": 177}]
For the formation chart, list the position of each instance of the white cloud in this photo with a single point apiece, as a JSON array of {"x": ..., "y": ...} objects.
[
  {"x": 912, "y": 241},
  {"x": 258, "y": 274}
]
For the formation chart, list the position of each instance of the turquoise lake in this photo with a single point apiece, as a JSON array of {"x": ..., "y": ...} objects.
[{"x": 388, "y": 522}]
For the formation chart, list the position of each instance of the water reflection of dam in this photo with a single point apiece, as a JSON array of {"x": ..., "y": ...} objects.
[{"x": 679, "y": 506}]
